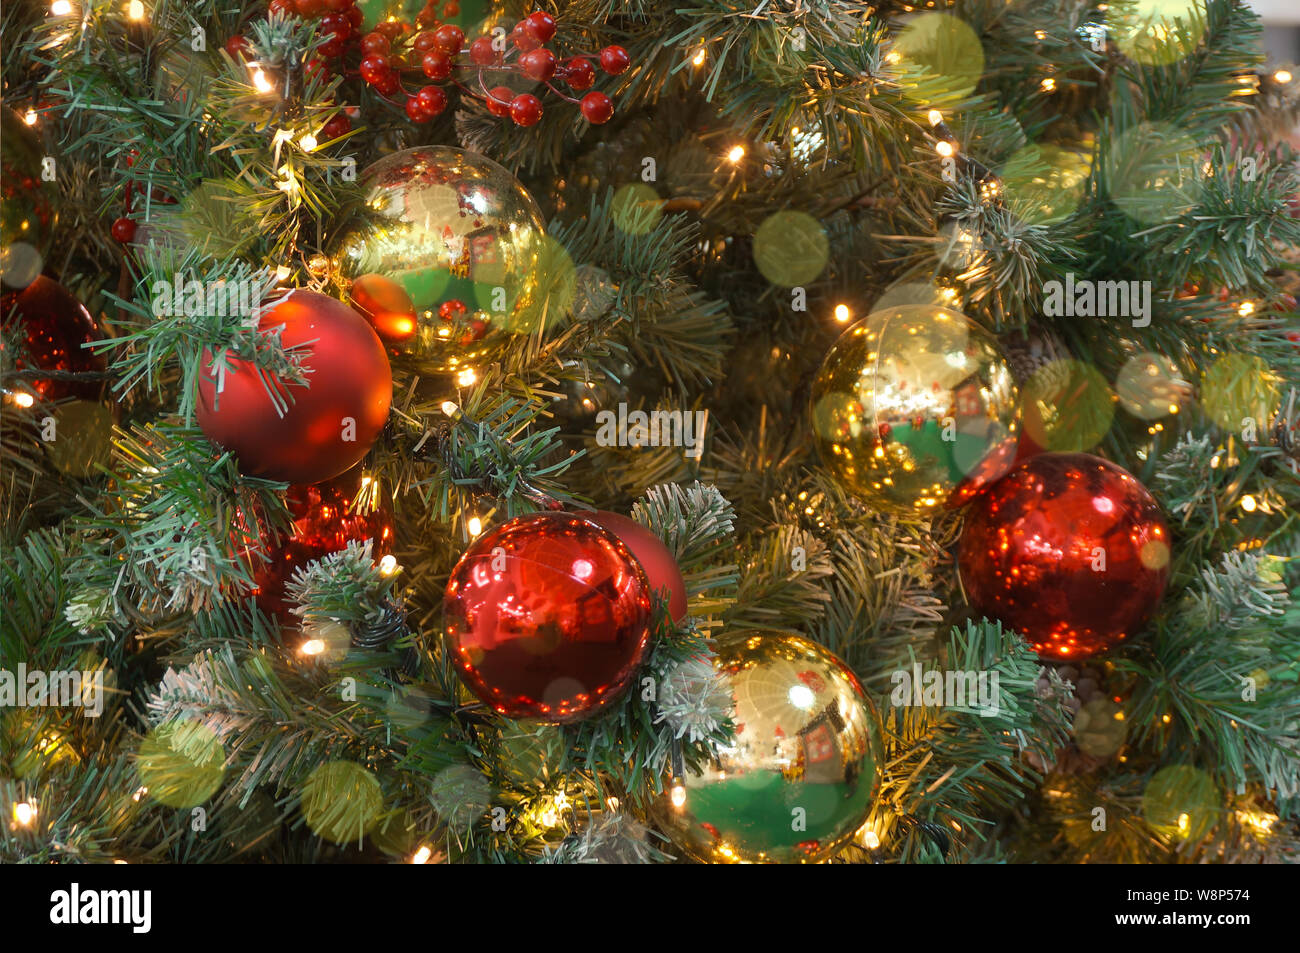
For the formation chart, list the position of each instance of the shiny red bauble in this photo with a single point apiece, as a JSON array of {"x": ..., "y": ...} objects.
[
  {"x": 656, "y": 559},
  {"x": 1069, "y": 550},
  {"x": 325, "y": 520},
  {"x": 52, "y": 327},
  {"x": 331, "y": 423},
  {"x": 548, "y": 617},
  {"x": 597, "y": 108}
]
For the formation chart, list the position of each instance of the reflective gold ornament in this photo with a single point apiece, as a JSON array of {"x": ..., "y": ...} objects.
[
  {"x": 915, "y": 407},
  {"x": 464, "y": 239},
  {"x": 804, "y": 770}
]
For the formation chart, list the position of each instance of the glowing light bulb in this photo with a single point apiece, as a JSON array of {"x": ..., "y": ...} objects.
[
  {"x": 1282, "y": 76},
  {"x": 260, "y": 82},
  {"x": 1248, "y": 503},
  {"x": 282, "y": 273},
  {"x": 308, "y": 143},
  {"x": 313, "y": 647},
  {"x": 61, "y": 8},
  {"x": 475, "y": 525},
  {"x": 24, "y": 812},
  {"x": 422, "y": 855},
  {"x": 678, "y": 794},
  {"x": 935, "y": 117},
  {"x": 870, "y": 840},
  {"x": 698, "y": 58},
  {"x": 388, "y": 565},
  {"x": 467, "y": 377},
  {"x": 135, "y": 10},
  {"x": 29, "y": 117},
  {"x": 23, "y": 399},
  {"x": 842, "y": 313},
  {"x": 1247, "y": 308},
  {"x": 944, "y": 148},
  {"x": 449, "y": 408},
  {"x": 1048, "y": 85},
  {"x": 736, "y": 154}
]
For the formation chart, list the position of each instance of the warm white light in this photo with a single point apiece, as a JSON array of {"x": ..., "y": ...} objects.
[
  {"x": 388, "y": 565},
  {"x": 801, "y": 697},
  {"x": 61, "y": 8},
  {"x": 1282, "y": 76},
  {"x": 678, "y": 794},
  {"x": 24, "y": 812},
  {"x": 736, "y": 154},
  {"x": 467, "y": 377},
  {"x": 944, "y": 148},
  {"x": 1048, "y": 84},
  {"x": 698, "y": 58},
  {"x": 23, "y": 399},
  {"x": 1247, "y": 308},
  {"x": 870, "y": 840},
  {"x": 139, "y": 793},
  {"x": 842, "y": 313},
  {"x": 449, "y": 408},
  {"x": 475, "y": 526},
  {"x": 1248, "y": 503},
  {"x": 313, "y": 647},
  {"x": 260, "y": 82},
  {"x": 135, "y": 10},
  {"x": 936, "y": 117},
  {"x": 29, "y": 117},
  {"x": 308, "y": 143},
  {"x": 282, "y": 273},
  {"x": 422, "y": 855}
]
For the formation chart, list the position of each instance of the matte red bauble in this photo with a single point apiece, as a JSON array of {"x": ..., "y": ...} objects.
[
  {"x": 324, "y": 522},
  {"x": 548, "y": 617},
  {"x": 1067, "y": 549},
  {"x": 659, "y": 564},
  {"x": 54, "y": 326},
  {"x": 330, "y": 424}
]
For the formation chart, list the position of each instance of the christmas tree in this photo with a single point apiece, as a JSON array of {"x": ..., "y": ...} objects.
[{"x": 818, "y": 431}]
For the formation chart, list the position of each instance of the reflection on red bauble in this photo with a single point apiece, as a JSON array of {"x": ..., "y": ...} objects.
[
  {"x": 330, "y": 424},
  {"x": 386, "y": 305},
  {"x": 54, "y": 326},
  {"x": 659, "y": 564},
  {"x": 548, "y": 617},
  {"x": 324, "y": 522},
  {"x": 1069, "y": 550}
]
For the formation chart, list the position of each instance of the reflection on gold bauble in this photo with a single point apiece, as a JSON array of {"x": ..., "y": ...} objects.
[
  {"x": 915, "y": 407},
  {"x": 464, "y": 239},
  {"x": 802, "y": 775}
]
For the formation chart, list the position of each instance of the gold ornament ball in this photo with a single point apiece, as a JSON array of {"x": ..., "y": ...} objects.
[
  {"x": 464, "y": 239},
  {"x": 804, "y": 770},
  {"x": 915, "y": 408}
]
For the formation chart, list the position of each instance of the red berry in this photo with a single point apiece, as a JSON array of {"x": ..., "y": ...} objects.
[
  {"x": 336, "y": 23},
  {"x": 449, "y": 37},
  {"x": 356, "y": 17},
  {"x": 389, "y": 83},
  {"x": 424, "y": 42},
  {"x": 416, "y": 111},
  {"x": 333, "y": 46},
  {"x": 390, "y": 28},
  {"x": 525, "y": 109},
  {"x": 614, "y": 60},
  {"x": 451, "y": 309},
  {"x": 522, "y": 40},
  {"x": 374, "y": 67},
  {"x": 339, "y": 125},
  {"x": 540, "y": 26},
  {"x": 315, "y": 67},
  {"x": 579, "y": 73},
  {"x": 433, "y": 99},
  {"x": 498, "y": 100},
  {"x": 436, "y": 64},
  {"x": 374, "y": 43},
  {"x": 123, "y": 230},
  {"x": 538, "y": 64},
  {"x": 481, "y": 51},
  {"x": 339, "y": 6},
  {"x": 451, "y": 9},
  {"x": 310, "y": 9},
  {"x": 597, "y": 108},
  {"x": 283, "y": 7},
  {"x": 238, "y": 46}
]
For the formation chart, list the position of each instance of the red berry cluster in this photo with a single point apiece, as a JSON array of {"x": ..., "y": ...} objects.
[{"x": 433, "y": 50}]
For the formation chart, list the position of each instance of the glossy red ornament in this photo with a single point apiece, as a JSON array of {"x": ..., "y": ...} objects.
[
  {"x": 53, "y": 326},
  {"x": 330, "y": 424},
  {"x": 324, "y": 522},
  {"x": 1069, "y": 550},
  {"x": 658, "y": 562},
  {"x": 548, "y": 617}
]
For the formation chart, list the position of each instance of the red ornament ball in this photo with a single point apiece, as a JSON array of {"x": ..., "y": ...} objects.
[
  {"x": 597, "y": 108},
  {"x": 331, "y": 423},
  {"x": 324, "y": 521},
  {"x": 1069, "y": 550},
  {"x": 548, "y": 617},
  {"x": 658, "y": 562},
  {"x": 53, "y": 327}
]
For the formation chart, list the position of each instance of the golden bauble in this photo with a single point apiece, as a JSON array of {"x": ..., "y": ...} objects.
[
  {"x": 804, "y": 771},
  {"x": 464, "y": 239},
  {"x": 915, "y": 408}
]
